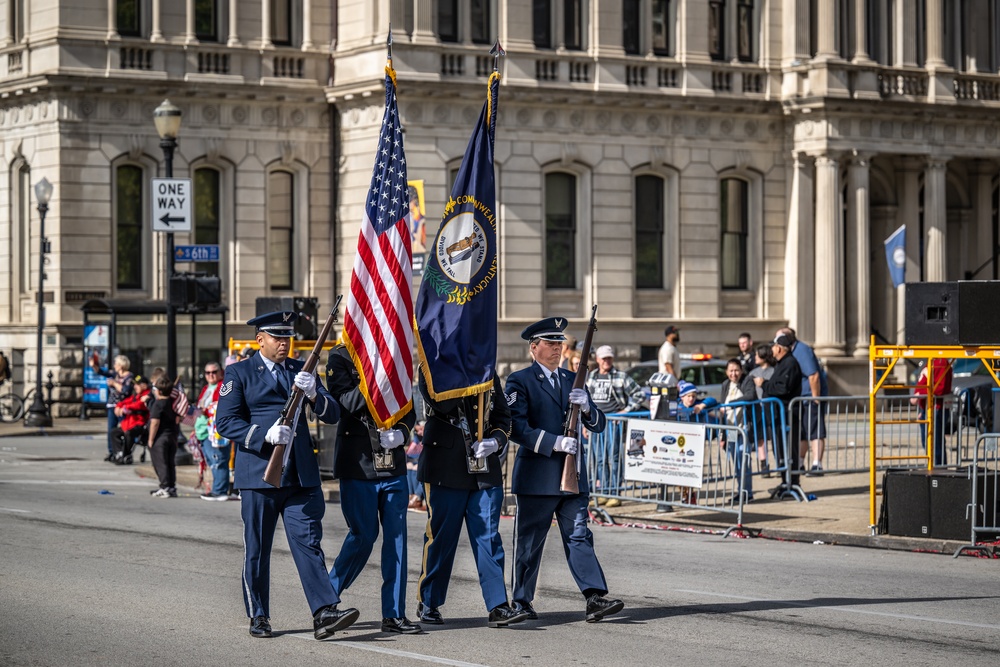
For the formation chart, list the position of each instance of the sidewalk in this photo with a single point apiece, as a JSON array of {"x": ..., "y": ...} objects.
[{"x": 839, "y": 515}]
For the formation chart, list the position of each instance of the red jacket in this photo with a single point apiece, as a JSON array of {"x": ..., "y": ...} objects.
[
  {"x": 942, "y": 375},
  {"x": 136, "y": 411}
]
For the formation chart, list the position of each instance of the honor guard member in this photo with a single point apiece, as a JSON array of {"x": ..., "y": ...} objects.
[
  {"x": 250, "y": 403},
  {"x": 463, "y": 483},
  {"x": 539, "y": 398},
  {"x": 371, "y": 466}
]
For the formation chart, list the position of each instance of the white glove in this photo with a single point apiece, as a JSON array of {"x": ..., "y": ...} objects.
[
  {"x": 307, "y": 383},
  {"x": 484, "y": 448},
  {"x": 565, "y": 444},
  {"x": 278, "y": 434},
  {"x": 579, "y": 397},
  {"x": 390, "y": 438}
]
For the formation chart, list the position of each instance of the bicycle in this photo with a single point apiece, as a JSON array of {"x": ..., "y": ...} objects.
[{"x": 12, "y": 406}]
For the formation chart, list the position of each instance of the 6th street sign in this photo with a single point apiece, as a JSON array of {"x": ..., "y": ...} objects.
[{"x": 171, "y": 204}]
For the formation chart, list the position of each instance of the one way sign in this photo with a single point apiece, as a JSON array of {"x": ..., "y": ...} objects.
[{"x": 171, "y": 204}]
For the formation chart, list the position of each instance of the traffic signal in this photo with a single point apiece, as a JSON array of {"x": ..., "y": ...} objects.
[
  {"x": 306, "y": 326},
  {"x": 192, "y": 293}
]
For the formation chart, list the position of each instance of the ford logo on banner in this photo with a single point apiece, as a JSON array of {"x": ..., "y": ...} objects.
[{"x": 669, "y": 440}]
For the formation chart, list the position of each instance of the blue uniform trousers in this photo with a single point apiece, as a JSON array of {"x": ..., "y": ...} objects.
[
  {"x": 301, "y": 510},
  {"x": 531, "y": 525},
  {"x": 366, "y": 504},
  {"x": 446, "y": 510}
]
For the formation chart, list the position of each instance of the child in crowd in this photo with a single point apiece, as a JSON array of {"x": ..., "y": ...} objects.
[
  {"x": 163, "y": 433},
  {"x": 133, "y": 411},
  {"x": 693, "y": 409}
]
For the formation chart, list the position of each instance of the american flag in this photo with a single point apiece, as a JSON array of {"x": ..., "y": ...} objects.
[{"x": 378, "y": 327}]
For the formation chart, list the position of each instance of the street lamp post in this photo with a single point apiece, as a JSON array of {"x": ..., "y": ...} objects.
[
  {"x": 167, "y": 118},
  {"x": 38, "y": 414}
]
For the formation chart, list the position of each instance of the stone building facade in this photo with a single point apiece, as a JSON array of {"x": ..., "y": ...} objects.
[{"x": 723, "y": 165}]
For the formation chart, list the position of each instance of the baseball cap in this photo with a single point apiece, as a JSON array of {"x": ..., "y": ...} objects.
[
  {"x": 604, "y": 351},
  {"x": 784, "y": 340},
  {"x": 670, "y": 329},
  {"x": 685, "y": 387}
]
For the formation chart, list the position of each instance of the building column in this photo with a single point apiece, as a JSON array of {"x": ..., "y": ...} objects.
[
  {"x": 795, "y": 32},
  {"x": 692, "y": 33},
  {"x": 265, "y": 24},
  {"x": 904, "y": 27},
  {"x": 861, "y": 54},
  {"x": 234, "y": 36},
  {"x": 829, "y": 296},
  {"x": 189, "y": 36},
  {"x": 935, "y": 34},
  {"x": 826, "y": 19},
  {"x": 423, "y": 21},
  {"x": 112, "y": 23},
  {"x": 935, "y": 220},
  {"x": 307, "y": 42},
  {"x": 799, "y": 246},
  {"x": 984, "y": 170},
  {"x": 858, "y": 257},
  {"x": 155, "y": 33}
]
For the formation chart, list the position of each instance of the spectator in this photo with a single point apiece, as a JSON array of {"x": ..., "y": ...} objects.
[
  {"x": 568, "y": 352},
  {"x": 163, "y": 432},
  {"x": 574, "y": 361},
  {"x": 746, "y": 355},
  {"x": 785, "y": 384},
  {"x": 119, "y": 386},
  {"x": 133, "y": 412},
  {"x": 178, "y": 398},
  {"x": 669, "y": 357},
  {"x": 941, "y": 375},
  {"x": 416, "y": 445},
  {"x": 765, "y": 417},
  {"x": 693, "y": 409},
  {"x": 612, "y": 391},
  {"x": 214, "y": 447},
  {"x": 812, "y": 420},
  {"x": 737, "y": 388}
]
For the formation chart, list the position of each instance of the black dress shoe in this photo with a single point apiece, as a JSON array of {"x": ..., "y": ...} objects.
[
  {"x": 429, "y": 614},
  {"x": 401, "y": 625},
  {"x": 503, "y": 615},
  {"x": 526, "y": 606},
  {"x": 260, "y": 627},
  {"x": 329, "y": 620},
  {"x": 599, "y": 606}
]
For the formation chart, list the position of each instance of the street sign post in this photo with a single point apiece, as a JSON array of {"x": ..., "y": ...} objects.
[
  {"x": 171, "y": 204},
  {"x": 196, "y": 253}
]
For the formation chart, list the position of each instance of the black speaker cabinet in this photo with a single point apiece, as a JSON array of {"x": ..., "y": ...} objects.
[
  {"x": 272, "y": 304},
  {"x": 978, "y": 315},
  {"x": 931, "y": 314},
  {"x": 907, "y": 497},
  {"x": 950, "y": 494}
]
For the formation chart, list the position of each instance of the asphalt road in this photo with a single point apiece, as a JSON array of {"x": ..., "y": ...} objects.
[{"x": 97, "y": 579}]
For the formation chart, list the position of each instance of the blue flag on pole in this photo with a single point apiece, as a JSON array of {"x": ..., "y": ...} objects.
[
  {"x": 895, "y": 255},
  {"x": 456, "y": 308}
]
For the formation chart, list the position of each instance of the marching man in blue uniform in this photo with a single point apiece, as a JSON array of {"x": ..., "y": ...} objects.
[
  {"x": 250, "y": 403},
  {"x": 371, "y": 466},
  {"x": 539, "y": 398}
]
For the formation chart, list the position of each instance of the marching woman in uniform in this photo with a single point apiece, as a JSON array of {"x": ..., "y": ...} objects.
[
  {"x": 250, "y": 403},
  {"x": 455, "y": 495},
  {"x": 371, "y": 466},
  {"x": 539, "y": 397}
]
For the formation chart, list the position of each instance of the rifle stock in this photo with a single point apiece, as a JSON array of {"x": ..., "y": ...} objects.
[
  {"x": 570, "y": 482},
  {"x": 276, "y": 464}
]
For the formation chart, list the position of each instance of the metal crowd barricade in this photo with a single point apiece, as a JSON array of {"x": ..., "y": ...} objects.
[
  {"x": 722, "y": 490},
  {"x": 985, "y": 501}
]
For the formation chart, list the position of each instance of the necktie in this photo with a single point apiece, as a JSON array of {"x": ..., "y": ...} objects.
[
  {"x": 282, "y": 378},
  {"x": 554, "y": 379}
]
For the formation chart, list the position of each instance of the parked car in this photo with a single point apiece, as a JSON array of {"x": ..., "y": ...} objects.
[
  {"x": 702, "y": 370},
  {"x": 971, "y": 378}
]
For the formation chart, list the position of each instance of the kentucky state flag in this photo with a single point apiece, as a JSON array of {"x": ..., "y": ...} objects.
[
  {"x": 895, "y": 255},
  {"x": 456, "y": 309}
]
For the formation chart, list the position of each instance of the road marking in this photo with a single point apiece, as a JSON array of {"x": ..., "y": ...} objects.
[
  {"x": 393, "y": 652},
  {"x": 11, "y": 509},
  {"x": 806, "y": 605},
  {"x": 79, "y": 482}
]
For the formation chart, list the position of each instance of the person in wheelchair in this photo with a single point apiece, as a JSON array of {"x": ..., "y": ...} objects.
[{"x": 133, "y": 413}]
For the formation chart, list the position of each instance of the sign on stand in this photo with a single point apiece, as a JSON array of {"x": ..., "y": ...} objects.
[
  {"x": 196, "y": 253},
  {"x": 665, "y": 452},
  {"x": 171, "y": 204}
]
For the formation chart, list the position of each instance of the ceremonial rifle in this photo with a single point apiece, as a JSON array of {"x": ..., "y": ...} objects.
[
  {"x": 276, "y": 464},
  {"x": 570, "y": 482}
]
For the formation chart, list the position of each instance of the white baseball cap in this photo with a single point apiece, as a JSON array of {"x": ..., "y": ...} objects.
[{"x": 604, "y": 351}]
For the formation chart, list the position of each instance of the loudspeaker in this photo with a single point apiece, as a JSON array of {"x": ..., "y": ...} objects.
[
  {"x": 932, "y": 314},
  {"x": 950, "y": 494},
  {"x": 907, "y": 497},
  {"x": 978, "y": 316},
  {"x": 306, "y": 326},
  {"x": 272, "y": 304}
]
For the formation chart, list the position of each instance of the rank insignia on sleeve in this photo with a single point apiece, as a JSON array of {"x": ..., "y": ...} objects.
[
  {"x": 226, "y": 388},
  {"x": 511, "y": 398}
]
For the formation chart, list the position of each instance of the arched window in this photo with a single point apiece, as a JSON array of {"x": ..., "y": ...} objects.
[
  {"x": 734, "y": 212},
  {"x": 560, "y": 230},
  {"x": 206, "y": 213},
  {"x": 129, "y": 207},
  {"x": 649, "y": 230},
  {"x": 280, "y": 229}
]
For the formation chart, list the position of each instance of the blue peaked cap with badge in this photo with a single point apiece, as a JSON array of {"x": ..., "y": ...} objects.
[
  {"x": 279, "y": 324},
  {"x": 551, "y": 328}
]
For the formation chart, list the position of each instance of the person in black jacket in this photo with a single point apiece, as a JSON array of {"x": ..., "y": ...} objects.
[
  {"x": 785, "y": 384},
  {"x": 453, "y": 447},
  {"x": 371, "y": 466}
]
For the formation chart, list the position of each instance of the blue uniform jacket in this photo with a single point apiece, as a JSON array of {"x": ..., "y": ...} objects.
[
  {"x": 537, "y": 416},
  {"x": 250, "y": 401}
]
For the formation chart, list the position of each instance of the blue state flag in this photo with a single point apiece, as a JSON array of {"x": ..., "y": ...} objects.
[
  {"x": 895, "y": 255},
  {"x": 456, "y": 310}
]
